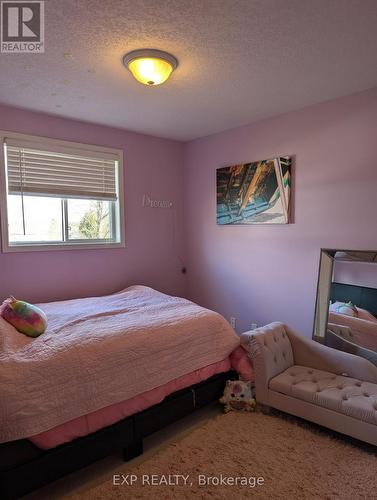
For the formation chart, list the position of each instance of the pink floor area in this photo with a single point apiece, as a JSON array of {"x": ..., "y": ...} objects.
[{"x": 104, "y": 417}]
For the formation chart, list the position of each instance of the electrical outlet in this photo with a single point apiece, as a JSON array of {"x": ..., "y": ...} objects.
[
  {"x": 233, "y": 322},
  {"x": 253, "y": 326}
]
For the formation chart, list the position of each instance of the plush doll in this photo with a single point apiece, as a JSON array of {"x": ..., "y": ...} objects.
[
  {"x": 238, "y": 395},
  {"x": 26, "y": 318}
]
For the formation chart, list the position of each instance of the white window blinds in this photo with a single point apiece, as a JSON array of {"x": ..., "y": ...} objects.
[{"x": 61, "y": 172}]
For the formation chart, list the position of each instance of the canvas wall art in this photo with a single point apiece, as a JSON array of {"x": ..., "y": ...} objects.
[{"x": 254, "y": 193}]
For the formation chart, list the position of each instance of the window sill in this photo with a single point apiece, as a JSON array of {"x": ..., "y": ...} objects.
[{"x": 48, "y": 247}]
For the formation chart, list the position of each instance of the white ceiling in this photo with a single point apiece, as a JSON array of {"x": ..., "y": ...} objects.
[{"x": 240, "y": 61}]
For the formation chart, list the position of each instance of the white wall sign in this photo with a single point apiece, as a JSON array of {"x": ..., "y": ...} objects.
[{"x": 149, "y": 203}]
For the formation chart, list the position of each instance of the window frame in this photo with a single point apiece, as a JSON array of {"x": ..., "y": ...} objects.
[{"x": 80, "y": 244}]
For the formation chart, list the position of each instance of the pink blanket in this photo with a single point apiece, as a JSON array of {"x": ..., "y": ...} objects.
[
  {"x": 99, "y": 419},
  {"x": 364, "y": 331},
  {"x": 100, "y": 351}
]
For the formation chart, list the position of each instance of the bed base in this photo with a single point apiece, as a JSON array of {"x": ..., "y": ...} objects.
[{"x": 24, "y": 467}]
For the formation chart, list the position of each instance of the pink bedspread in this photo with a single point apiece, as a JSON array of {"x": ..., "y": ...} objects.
[
  {"x": 99, "y": 419},
  {"x": 364, "y": 331},
  {"x": 100, "y": 351}
]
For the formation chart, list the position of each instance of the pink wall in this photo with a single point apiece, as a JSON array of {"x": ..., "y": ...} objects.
[
  {"x": 356, "y": 273},
  {"x": 266, "y": 273},
  {"x": 256, "y": 273},
  {"x": 153, "y": 245}
]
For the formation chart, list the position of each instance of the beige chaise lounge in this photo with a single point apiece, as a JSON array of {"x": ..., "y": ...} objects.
[{"x": 307, "y": 379}]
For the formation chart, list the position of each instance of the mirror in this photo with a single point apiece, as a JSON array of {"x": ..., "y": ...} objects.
[{"x": 346, "y": 305}]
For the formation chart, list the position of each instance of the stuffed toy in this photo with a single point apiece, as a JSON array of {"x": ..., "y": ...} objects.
[
  {"x": 26, "y": 318},
  {"x": 238, "y": 395}
]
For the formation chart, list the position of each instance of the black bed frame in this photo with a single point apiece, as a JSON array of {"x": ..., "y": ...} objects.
[{"x": 24, "y": 467}]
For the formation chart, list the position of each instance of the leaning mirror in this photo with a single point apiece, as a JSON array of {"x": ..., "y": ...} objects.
[{"x": 346, "y": 305}]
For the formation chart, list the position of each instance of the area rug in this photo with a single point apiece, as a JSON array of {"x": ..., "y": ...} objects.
[{"x": 254, "y": 455}]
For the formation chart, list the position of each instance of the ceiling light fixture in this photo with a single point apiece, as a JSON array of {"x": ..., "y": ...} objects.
[{"x": 150, "y": 66}]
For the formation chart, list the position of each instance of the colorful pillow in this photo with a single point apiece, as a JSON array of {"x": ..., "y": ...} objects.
[
  {"x": 26, "y": 318},
  {"x": 346, "y": 308}
]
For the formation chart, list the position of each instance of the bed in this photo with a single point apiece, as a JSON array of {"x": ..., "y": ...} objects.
[
  {"x": 362, "y": 296},
  {"x": 363, "y": 332},
  {"x": 362, "y": 326},
  {"x": 107, "y": 372}
]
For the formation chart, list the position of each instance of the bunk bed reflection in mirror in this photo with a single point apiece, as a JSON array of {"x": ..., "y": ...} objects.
[
  {"x": 254, "y": 193},
  {"x": 346, "y": 303}
]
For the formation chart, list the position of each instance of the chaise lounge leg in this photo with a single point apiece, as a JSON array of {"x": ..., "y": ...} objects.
[
  {"x": 133, "y": 450},
  {"x": 265, "y": 409}
]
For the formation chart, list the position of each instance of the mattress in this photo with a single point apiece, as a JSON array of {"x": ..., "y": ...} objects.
[
  {"x": 364, "y": 332},
  {"x": 101, "y": 351},
  {"x": 99, "y": 419}
]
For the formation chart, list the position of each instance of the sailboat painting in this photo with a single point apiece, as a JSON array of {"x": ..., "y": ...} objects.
[{"x": 254, "y": 193}]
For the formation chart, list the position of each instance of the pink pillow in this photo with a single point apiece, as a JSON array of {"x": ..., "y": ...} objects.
[{"x": 241, "y": 363}]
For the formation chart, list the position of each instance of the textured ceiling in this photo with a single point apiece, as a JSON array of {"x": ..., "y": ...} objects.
[{"x": 240, "y": 61}]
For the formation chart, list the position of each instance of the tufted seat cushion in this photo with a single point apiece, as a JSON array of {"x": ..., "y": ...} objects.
[{"x": 342, "y": 394}]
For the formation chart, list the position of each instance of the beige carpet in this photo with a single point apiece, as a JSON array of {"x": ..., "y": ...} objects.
[{"x": 296, "y": 460}]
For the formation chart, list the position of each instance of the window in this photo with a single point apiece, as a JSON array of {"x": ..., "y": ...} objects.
[{"x": 57, "y": 194}]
